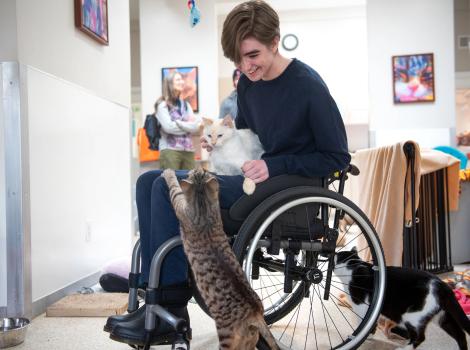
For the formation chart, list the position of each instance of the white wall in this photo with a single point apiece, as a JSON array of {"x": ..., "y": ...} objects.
[
  {"x": 8, "y": 46},
  {"x": 78, "y": 109},
  {"x": 79, "y": 164},
  {"x": 403, "y": 27},
  {"x": 167, "y": 40},
  {"x": 49, "y": 41},
  {"x": 135, "y": 55}
]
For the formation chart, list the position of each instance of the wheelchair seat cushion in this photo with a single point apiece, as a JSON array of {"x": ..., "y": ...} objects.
[{"x": 240, "y": 210}]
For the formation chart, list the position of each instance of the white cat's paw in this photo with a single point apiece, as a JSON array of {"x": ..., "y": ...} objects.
[{"x": 249, "y": 186}]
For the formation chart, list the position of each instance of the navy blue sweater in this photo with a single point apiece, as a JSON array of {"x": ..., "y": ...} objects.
[{"x": 297, "y": 121}]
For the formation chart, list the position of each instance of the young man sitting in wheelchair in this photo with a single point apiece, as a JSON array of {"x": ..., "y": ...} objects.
[{"x": 283, "y": 101}]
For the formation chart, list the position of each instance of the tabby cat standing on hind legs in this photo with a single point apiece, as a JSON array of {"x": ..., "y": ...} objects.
[
  {"x": 235, "y": 307},
  {"x": 412, "y": 298},
  {"x": 231, "y": 148}
]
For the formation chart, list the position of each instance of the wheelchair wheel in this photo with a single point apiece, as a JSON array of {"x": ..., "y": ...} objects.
[{"x": 287, "y": 247}]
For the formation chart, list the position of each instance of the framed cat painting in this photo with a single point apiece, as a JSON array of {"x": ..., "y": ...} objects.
[
  {"x": 91, "y": 17},
  {"x": 413, "y": 78},
  {"x": 191, "y": 89}
]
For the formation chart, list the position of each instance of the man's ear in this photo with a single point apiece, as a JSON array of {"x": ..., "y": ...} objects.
[
  {"x": 207, "y": 121},
  {"x": 228, "y": 121},
  {"x": 275, "y": 44}
]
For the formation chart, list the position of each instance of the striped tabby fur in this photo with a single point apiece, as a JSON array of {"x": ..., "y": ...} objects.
[{"x": 235, "y": 307}]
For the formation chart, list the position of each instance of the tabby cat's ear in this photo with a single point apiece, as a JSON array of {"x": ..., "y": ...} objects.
[
  {"x": 207, "y": 121},
  {"x": 228, "y": 121},
  {"x": 185, "y": 184},
  {"x": 212, "y": 184}
]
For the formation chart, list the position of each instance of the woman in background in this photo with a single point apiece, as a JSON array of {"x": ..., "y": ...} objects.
[{"x": 178, "y": 123}]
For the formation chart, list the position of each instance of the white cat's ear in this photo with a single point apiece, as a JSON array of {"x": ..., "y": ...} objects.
[
  {"x": 207, "y": 121},
  {"x": 228, "y": 121}
]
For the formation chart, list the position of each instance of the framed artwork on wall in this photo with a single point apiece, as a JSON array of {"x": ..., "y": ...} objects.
[
  {"x": 191, "y": 89},
  {"x": 413, "y": 78},
  {"x": 91, "y": 17}
]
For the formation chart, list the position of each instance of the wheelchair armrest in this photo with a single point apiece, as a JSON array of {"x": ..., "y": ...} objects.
[
  {"x": 245, "y": 204},
  {"x": 353, "y": 170}
]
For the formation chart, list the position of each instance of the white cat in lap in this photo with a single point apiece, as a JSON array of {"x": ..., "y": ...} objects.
[{"x": 231, "y": 148}]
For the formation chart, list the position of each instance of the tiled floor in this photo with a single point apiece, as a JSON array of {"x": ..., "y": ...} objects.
[
  {"x": 82, "y": 333},
  {"x": 62, "y": 333}
]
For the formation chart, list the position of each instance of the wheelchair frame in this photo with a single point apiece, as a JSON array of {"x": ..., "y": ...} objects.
[{"x": 245, "y": 250}]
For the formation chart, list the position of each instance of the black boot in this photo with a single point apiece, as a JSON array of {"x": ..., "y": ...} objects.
[
  {"x": 133, "y": 332},
  {"x": 174, "y": 298},
  {"x": 116, "y": 319}
]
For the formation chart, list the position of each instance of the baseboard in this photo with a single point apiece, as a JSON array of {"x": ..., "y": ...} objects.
[
  {"x": 3, "y": 312},
  {"x": 40, "y": 305}
]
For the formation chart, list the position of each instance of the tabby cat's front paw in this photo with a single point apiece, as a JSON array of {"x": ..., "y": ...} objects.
[
  {"x": 249, "y": 186},
  {"x": 168, "y": 174}
]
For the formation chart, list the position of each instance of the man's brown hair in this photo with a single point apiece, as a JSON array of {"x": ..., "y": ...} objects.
[{"x": 250, "y": 19}]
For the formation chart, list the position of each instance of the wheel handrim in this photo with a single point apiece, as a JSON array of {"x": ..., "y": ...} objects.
[{"x": 356, "y": 337}]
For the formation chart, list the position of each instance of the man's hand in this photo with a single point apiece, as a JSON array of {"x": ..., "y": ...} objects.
[
  {"x": 205, "y": 144},
  {"x": 257, "y": 170}
]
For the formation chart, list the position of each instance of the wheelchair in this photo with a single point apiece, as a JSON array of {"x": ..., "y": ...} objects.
[{"x": 285, "y": 237}]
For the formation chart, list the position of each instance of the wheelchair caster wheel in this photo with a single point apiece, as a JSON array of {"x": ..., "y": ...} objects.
[{"x": 180, "y": 343}]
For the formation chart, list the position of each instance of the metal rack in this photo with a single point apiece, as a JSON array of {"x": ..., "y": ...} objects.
[{"x": 426, "y": 241}]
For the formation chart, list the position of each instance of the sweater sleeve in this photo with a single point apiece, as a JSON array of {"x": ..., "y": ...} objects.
[
  {"x": 192, "y": 125},
  {"x": 240, "y": 121},
  {"x": 168, "y": 126},
  {"x": 327, "y": 128},
  {"x": 224, "y": 109}
]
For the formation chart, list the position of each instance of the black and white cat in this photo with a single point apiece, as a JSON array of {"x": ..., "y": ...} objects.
[{"x": 412, "y": 298}]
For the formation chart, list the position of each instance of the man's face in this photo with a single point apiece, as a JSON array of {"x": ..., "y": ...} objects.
[{"x": 257, "y": 59}]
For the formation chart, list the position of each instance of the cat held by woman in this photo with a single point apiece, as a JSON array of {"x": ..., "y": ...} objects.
[
  {"x": 231, "y": 148},
  {"x": 235, "y": 307},
  {"x": 412, "y": 299}
]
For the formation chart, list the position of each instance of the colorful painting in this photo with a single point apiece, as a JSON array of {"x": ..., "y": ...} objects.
[
  {"x": 413, "y": 78},
  {"x": 191, "y": 89},
  {"x": 91, "y": 17}
]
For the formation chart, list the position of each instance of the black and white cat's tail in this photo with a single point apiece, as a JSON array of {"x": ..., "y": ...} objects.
[{"x": 453, "y": 321}]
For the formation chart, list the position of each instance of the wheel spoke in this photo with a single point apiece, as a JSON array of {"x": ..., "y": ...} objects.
[
  {"x": 324, "y": 317},
  {"x": 302, "y": 319}
]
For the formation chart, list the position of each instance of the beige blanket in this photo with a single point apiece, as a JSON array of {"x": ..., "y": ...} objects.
[{"x": 380, "y": 192}]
